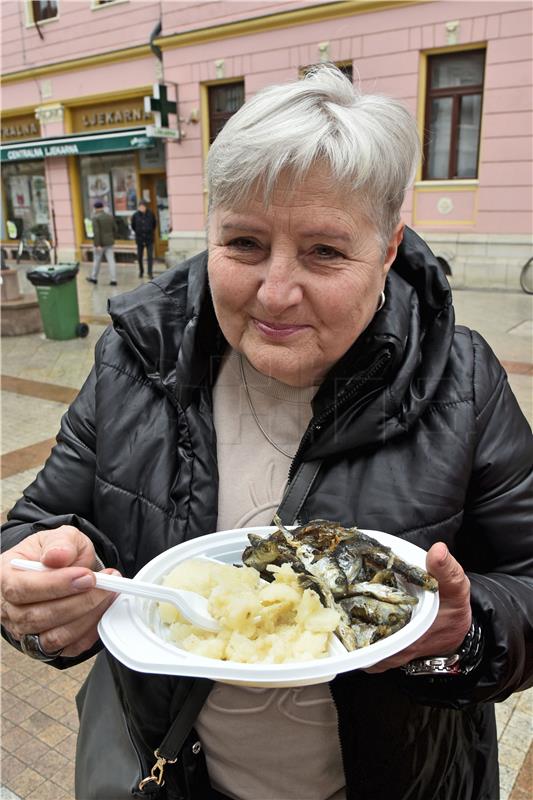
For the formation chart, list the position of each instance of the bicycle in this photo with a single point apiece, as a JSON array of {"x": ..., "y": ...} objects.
[
  {"x": 526, "y": 277},
  {"x": 34, "y": 245}
]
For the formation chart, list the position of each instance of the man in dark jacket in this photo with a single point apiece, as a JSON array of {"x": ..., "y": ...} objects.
[
  {"x": 104, "y": 230},
  {"x": 143, "y": 223}
]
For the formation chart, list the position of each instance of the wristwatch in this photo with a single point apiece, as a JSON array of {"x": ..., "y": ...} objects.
[{"x": 466, "y": 659}]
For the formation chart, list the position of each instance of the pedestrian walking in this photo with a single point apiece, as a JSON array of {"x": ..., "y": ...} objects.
[
  {"x": 143, "y": 223},
  {"x": 105, "y": 230}
]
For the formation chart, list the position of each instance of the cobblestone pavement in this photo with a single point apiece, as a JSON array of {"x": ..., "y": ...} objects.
[{"x": 40, "y": 378}]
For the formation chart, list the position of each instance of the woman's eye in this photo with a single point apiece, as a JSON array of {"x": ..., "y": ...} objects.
[
  {"x": 325, "y": 251},
  {"x": 243, "y": 244}
]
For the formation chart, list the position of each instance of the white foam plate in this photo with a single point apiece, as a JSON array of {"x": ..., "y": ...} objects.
[{"x": 131, "y": 631}]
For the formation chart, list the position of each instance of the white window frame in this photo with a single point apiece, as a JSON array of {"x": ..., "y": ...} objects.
[
  {"x": 96, "y": 6},
  {"x": 28, "y": 16}
]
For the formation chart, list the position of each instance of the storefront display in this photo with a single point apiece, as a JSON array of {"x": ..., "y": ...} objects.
[
  {"x": 112, "y": 180},
  {"x": 20, "y": 194},
  {"x": 26, "y": 200},
  {"x": 155, "y": 194},
  {"x": 39, "y": 199},
  {"x": 108, "y": 158},
  {"x": 163, "y": 212},
  {"x": 124, "y": 190},
  {"x": 99, "y": 190}
]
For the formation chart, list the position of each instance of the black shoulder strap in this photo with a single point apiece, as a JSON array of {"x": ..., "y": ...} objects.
[
  {"x": 180, "y": 728},
  {"x": 297, "y": 491},
  {"x": 169, "y": 749}
]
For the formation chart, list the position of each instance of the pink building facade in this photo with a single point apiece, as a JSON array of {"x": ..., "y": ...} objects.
[{"x": 74, "y": 126}]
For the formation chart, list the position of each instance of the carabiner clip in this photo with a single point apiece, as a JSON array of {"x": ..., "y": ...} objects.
[{"x": 156, "y": 774}]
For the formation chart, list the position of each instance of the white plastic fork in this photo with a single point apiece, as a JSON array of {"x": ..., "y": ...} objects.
[{"x": 193, "y": 606}]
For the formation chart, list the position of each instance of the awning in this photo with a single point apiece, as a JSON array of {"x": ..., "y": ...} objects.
[{"x": 78, "y": 144}]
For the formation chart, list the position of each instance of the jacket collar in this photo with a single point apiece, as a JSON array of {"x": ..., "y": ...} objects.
[
  {"x": 170, "y": 326},
  {"x": 415, "y": 328}
]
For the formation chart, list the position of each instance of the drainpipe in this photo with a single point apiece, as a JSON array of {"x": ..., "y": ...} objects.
[
  {"x": 154, "y": 48},
  {"x": 39, "y": 31}
]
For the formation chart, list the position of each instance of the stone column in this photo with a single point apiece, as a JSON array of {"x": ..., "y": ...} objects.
[{"x": 51, "y": 117}]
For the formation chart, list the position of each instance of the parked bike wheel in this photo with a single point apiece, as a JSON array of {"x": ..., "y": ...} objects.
[
  {"x": 23, "y": 253},
  {"x": 526, "y": 277},
  {"x": 82, "y": 329},
  {"x": 41, "y": 251}
]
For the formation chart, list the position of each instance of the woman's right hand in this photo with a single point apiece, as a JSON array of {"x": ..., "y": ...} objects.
[{"x": 61, "y": 605}]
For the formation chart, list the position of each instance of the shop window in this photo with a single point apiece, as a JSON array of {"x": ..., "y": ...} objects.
[
  {"x": 112, "y": 179},
  {"x": 453, "y": 115},
  {"x": 224, "y": 100},
  {"x": 26, "y": 200},
  {"x": 42, "y": 10}
]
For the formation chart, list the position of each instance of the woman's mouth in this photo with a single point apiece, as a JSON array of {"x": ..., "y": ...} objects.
[{"x": 276, "y": 330}]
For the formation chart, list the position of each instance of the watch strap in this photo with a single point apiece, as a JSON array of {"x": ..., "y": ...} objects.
[{"x": 466, "y": 659}]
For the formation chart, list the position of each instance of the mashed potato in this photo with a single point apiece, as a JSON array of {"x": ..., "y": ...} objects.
[{"x": 260, "y": 622}]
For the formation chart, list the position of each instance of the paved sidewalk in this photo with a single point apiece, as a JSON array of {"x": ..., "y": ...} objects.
[{"x": 40, "y": 379}]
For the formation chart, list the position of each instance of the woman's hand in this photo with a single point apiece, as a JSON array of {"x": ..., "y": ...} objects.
[
  {"x": 453, "y": 620},
  {"x": 62, "y": 605}
]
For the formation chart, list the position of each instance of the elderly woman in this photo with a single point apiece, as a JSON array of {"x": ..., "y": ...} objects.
[{"x": 310, "y": 355}]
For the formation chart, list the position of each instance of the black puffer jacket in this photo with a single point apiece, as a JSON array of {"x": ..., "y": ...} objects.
[{"x": 421, "y": 437}]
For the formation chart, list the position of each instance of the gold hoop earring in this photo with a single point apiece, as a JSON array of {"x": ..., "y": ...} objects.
[{"x": 381, "y": 301}]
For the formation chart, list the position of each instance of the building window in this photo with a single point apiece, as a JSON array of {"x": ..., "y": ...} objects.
[
  {"x": 224, "y": 100},
  {"x": 347, "y": 70},
  {"x": 44, "y": 9},
  {"x": 346, "y": 67},
  {"x": 453, "y": 115},
  {"x": 111, "y": 179},
  {"x": 101, "y": 3}
]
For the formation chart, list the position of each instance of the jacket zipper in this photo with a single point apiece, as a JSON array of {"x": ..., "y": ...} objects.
[
  {"x": 317, "y": 423},
  {"x": 341, "y": 746},
  {"x": 315, "y": 426}
]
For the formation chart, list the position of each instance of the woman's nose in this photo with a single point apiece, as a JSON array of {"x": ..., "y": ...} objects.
[{"x": 280, "y": 287}]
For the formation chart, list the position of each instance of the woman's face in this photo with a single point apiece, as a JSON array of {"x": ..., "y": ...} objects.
[{"x": 295, "y": 284}]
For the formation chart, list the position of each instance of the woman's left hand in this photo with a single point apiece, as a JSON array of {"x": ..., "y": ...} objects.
[{"x": 453, "y": 619}]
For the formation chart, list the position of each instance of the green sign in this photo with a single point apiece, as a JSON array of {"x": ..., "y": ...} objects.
[
  {"x": 161, "y": 106},
  {"x": 76, "y": 146}
]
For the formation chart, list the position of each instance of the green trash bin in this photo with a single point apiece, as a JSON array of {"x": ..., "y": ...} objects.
[{"x": 57, "y": 294}]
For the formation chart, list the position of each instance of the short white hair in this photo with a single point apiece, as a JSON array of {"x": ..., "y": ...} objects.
[{"x": 368, "y": 143}]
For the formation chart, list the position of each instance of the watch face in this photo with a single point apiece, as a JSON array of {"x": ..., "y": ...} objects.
[{"x": 437, "y": 665}]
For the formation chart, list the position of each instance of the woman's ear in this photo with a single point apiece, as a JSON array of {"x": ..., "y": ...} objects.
[{"x": 394, "y": 243}]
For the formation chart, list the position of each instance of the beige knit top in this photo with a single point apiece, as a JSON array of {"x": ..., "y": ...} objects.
[{"x": 264, "y": 744}]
